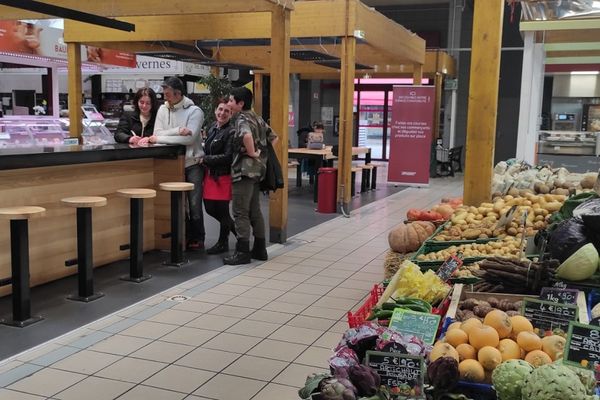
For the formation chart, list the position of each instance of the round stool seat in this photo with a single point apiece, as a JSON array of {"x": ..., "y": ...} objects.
[
  {"x": 137, "y": 193},
  {"x": 21, "y": 212},
  {"x": 176, "y": 186},
  {"x": 84, "y": 201}
]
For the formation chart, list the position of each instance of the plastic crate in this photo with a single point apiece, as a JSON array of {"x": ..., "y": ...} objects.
[{"x": 360, "y": 316}]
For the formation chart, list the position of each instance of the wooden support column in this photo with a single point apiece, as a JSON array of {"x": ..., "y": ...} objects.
[
  {"x": 279, "y": 94},
  {"x": 346, "y": 129},
  {"x": 74, "y": 89},
  {"x": 258, "y": 93},
  {"x": 483, "y": 100},
  {"x": 417, "y": 74}
]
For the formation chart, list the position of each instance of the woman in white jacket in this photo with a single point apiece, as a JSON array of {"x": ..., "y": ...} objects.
[{"x": 179, "y": 121}]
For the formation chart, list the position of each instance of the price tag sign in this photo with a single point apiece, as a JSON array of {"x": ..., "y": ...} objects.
[
  {"x": 422, "y": 325},
  {"x": 583, "y": 346},
  {"x": 559, "y": 295},
  {"x": 447, "y": 269},
  {"x": 548, "y": 315},
  {"x": 402, "y": 373}
]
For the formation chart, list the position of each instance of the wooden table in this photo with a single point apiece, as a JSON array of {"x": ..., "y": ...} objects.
[{"x": 362, "y": 150}]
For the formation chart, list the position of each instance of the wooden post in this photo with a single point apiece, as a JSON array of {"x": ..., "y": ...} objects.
[
  {"x": 417, "y": 74},
  {"x": 279, "y": 94},
  {"x": 346, "y": 121},
  {"x": 75, "y": 90},
  {"x": 258, "y": 93},
  {"x": 483, "y": 100}
]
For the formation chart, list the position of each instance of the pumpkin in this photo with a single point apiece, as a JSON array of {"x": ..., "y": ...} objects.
[{"x": 408, "y": 237}]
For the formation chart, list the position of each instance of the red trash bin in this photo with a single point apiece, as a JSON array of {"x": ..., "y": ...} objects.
[{"x": 327, "y": 187}]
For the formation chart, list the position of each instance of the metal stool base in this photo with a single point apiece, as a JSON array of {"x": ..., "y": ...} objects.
[
  {"x": 175, "y": 264},
  {"x": 76, "y": 297},
  {"x": 20, "y": 324},
  {"x": 136, "y": 280}
]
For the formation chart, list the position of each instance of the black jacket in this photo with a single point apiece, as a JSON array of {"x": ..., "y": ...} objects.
[
  {"x": 131, "y": 122},
  {"x": 218, "y": 149}
]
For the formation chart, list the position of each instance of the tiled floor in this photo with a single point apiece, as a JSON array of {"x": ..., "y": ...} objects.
[{"x": 243, "y": 332}]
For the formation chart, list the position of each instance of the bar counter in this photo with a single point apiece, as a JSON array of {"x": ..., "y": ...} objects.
[{"x": 42, "y": 176}]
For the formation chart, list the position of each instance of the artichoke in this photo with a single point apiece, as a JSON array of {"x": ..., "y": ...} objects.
[
  {"x": 332, "y": 389},
  {"x": 586, "y": 376},
  {"x": 509, "y": 377},
  {"x": 365, "y": 379},
  {"x": 443, "y": 374},
  {"x": 311, "y": 385},
  {"x": 554, "y": 382}
]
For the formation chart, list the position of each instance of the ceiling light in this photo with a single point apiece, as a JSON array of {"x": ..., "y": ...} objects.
[{"x": 585, "y": 72}]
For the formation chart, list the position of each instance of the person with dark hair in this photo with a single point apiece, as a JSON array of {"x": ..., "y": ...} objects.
[
  {"x": 179, "y": 121},
  {"x": 138, "y": 124},
  {"x": 316, "y": 138},
  {"x": 247, "y": 170},
  {"x": 217, "y": 177}
]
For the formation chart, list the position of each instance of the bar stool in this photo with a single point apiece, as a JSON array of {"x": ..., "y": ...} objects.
[
  {"x": 365, "y": 183},
  {"x": 85, "y": 265},
  {"x": 177, "y": 190},
  {"x": 136, "y": 232},
  {"x": 19, "y": 260},
  {"x": 353, "y": 172}
]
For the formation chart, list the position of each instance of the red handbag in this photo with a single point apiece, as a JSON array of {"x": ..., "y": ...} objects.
[{"x": 217, "y": 187}]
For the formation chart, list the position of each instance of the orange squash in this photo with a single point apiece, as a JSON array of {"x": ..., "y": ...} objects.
[
  {"x": 483, "y": 336},
  {"x": 509, "y": 349},
  {"x": 466, "y": 352},
  {"x": 500, "y": 321},
  {"x": 489, "y": 357},
  {"x": 471, "y": 370},
  {"x": 470, "y": 324},
  {"x": 519, "y": 324},
  {"x": 408, "y": 237},
  {"x": 537, "y": 358},
  {"x": 529, "y": 341},
  {"x": 456, "y": 337},
  {"x": 443, "y": 350}
]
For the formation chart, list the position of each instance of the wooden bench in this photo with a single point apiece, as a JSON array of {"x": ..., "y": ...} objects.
[{"x": 365, "y": 183}]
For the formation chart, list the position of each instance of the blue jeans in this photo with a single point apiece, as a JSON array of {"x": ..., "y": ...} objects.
[{"x": 195, "y": 216}]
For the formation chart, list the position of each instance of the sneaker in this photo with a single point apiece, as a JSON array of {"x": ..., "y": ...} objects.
[{"x": 195, "y": 245}]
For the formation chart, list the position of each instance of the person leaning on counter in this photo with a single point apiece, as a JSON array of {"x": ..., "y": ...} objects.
[{"x": 140, "y": 123}]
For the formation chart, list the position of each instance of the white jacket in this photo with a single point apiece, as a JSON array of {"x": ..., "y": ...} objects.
[{"x": 184, "y": 114}]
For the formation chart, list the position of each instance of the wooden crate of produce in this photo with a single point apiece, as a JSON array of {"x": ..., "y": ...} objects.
[{"x": 460, "y": 293}]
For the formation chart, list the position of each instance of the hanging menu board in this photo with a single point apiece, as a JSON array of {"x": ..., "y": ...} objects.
[
  {"x": 402, "y": 373},
  {"x": 548, "y": 315},
  {"x": 422, "y": 325},
  {"x": 559, "y": 295},
  {"x": 583, "y": 346}
]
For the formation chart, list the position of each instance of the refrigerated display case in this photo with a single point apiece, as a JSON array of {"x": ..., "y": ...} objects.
[
  {"x": 575, "y": 150},
  {"x": 591, "y": 118},
  {"x": 47, "y": 131}
]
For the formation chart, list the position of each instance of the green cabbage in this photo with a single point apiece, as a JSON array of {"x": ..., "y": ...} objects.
[
  {"x": 509, "y": 377},
  {"x": 580, "y": 265}
]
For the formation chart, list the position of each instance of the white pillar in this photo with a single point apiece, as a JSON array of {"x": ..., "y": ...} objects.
[
  {"x": 532, "y": 88},
  {"x": 55, "y": 91}
]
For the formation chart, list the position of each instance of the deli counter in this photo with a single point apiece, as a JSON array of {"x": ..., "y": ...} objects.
[
  {"x": 37, "y": 168},
  {"x": 578, "y": 151}
]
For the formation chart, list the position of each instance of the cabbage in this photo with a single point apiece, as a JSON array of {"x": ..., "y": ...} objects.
[
  {"x": 568, "y": 237},
  {"x": 581, "y": 265}
]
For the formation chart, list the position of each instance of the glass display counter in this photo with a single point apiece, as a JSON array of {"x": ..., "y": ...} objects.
[{"x": 47, "y": 131}]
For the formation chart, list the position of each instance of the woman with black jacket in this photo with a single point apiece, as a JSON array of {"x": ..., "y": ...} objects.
[
  {"x": 218, "y": 157},
  {"x": 140, "y": 123}
]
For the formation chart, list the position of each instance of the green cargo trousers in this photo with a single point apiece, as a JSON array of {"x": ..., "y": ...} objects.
[{"x": 245, "y": 205}]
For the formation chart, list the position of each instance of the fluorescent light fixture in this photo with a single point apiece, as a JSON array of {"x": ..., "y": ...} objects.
[{"x": 585, "y": 72}]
